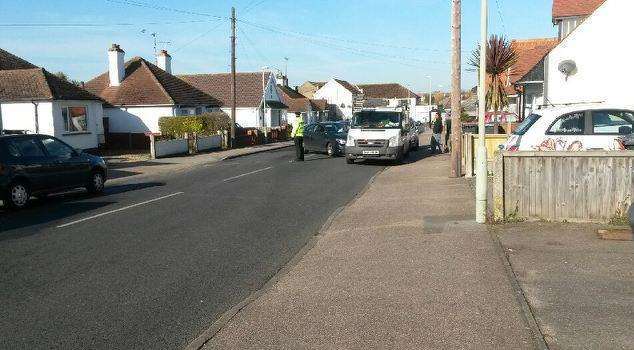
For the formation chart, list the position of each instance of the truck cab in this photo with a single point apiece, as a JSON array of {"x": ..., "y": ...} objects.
[{"x": 379, "y": 134}]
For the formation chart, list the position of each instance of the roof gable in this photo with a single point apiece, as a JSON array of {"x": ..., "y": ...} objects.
[
  {"x": 147, "y": 84},
  {"x": 353, "y": 89},
  {"x": 573, "y": 8}
]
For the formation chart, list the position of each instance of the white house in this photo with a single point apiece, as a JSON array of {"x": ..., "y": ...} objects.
[
  {"x": 252, "y": 88},
  {"x": 593, "y": 62},
  {"x": 138, "y": 93},
  {"x": 344, "y": 98},
  {"x": 388, "y": 94},
  {"x": 35, "y": 101}
]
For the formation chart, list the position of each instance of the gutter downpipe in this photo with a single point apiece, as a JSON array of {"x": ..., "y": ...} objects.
[{"x": 37, "y": 118}]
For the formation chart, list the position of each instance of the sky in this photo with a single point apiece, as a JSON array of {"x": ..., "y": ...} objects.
[{"x": 362, "y": 41}]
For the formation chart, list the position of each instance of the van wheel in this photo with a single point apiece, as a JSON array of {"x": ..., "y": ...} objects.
[
  {"x": 96, "y": 182},
  {"x": 330, "y": 150},
  {"x": 18, "y": 195}
]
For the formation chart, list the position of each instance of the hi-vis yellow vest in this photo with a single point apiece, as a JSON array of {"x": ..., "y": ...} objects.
[{"x": 298, "y": 128}]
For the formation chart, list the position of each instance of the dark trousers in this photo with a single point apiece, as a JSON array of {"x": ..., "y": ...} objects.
[{"x": 299, "y": 148}]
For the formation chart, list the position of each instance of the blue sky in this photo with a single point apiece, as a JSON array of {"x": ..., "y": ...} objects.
[{"x": 358, "y": 40}]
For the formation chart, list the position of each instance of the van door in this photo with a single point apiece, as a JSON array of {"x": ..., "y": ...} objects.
[{"x": 608, "y": 127}]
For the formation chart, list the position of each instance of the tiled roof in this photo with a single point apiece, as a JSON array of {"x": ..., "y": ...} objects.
[
  {"x": 530, "y": 52},
  {"x": 297, "y": 102},
  {"x": 390, "y": 90},
  {"x": 248, "y": 87},
  {"x": 348, "y": 86},
  {"x": 147, "y": 84},
  {"x": 38, "y": 84},
  {"x": 10, "y": 61},
  {"x": 572, "y": 8},
  {"x": 318, "y": 84}
]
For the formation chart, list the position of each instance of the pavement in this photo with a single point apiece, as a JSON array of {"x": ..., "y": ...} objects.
[
  {"x": 580, "y": 287},
  {"x": 144, "y": 168},
  {"x": 158, "y": 258},
  {"x": 403, "y": 266}
]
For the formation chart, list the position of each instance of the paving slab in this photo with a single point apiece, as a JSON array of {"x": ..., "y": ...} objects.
[{"x": 403, "y": 266}]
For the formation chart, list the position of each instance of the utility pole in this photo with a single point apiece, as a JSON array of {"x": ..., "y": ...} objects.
[
  {"x": 456, "y": 90},
  {"x": 481, "y": 151},
  {"x": 232, "y": 137}
]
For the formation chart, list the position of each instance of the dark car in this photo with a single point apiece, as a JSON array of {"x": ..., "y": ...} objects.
[
  {"x": 41, "y": 164},
  {"x": 327, "y": 137}
]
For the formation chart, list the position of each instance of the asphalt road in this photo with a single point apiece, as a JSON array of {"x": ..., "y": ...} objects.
[{"x": 151, "y": 265}]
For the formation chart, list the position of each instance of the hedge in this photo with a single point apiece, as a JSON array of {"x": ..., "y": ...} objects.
[{"x": 202, "y": 124}]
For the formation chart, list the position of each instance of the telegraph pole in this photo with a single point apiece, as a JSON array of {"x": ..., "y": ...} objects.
[
  {"x": 232, "y": 137},
  {"x": 481, "y": 151},
  {"x": 456, "y": 90}
]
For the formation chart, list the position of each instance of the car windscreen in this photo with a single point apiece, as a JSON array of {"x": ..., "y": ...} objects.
[
  {"x": 526, "y": 124},
  {"x": 376, "y": 120},
  {"x": 335, "y": 128}
]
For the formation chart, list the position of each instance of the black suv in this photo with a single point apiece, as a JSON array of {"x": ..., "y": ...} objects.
[{"x": 42, "y": 164}]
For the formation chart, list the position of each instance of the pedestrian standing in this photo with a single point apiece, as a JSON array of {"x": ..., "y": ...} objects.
[
  {"x": 298, "y": 137},
  {"x": 448, "y": 133},
  {"x": 437, "y": 132}
]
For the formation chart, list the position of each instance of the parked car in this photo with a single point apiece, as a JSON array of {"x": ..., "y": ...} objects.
[
  {"x": 327, "y": 137},
  {"x": 42, "y": 164},
  {"x": 578, "y": 127}
]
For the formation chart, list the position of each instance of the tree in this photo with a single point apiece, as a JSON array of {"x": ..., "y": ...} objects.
[
  {"x": 65, "y": 77},
  {"x": 500, "y": 58}
]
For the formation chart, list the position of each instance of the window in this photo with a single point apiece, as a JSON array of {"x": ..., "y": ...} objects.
[
  {"x": 24, "y": 147},
  {"x": 75, "y": 119},
  {"x": 526, "y": 124},
  {"x": 570, "y": 124},
  {"x": 57, "y": 149},
  {"x": 612, "y": 122},
  {"x": 319, "y": 128},
  {"x": 199, "y": 110}
]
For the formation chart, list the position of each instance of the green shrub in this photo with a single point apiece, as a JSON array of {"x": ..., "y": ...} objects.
[{"x": 202, "y": 124}]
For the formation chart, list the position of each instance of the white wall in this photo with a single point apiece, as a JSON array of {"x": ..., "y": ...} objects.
[
  {"x": 601, "y": 48},
  {"x": 21, "y": 116},
  {"x": 336, "y": 95},
  {"x": 249, "y": 117},
  {"x": 136, "y": 119}
]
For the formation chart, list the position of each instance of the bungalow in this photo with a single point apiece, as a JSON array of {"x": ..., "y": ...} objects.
[
  {"x": 309, "y": 88},
  {"x": 138, "y": 93},
  {"x": 593, "y": 62},
  {"x": 343, "y": 97},
  {"x": 312, "y": 110},
  {"x": 389, "y": 94},
  {"x": 252, "y": 88},
  {"x": 35, "y": 101}
]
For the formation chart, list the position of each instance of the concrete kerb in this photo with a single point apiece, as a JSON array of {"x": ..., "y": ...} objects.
[
  {"x": 233, "y": 156},
  {"x": 228, "y": 315},
  {"x": 527, "y": 311}
]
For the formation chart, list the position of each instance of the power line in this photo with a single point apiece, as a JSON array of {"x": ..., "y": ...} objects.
[
  {"x": 250, "y": 8},
  {"x": 71, "y": 25},
  {"x": 163, "y": 8},
  {"x": 199, "y": 36},
  {"x": 255, "y": 48}
]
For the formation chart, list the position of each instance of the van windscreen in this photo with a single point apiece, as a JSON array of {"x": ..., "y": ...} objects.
[
  {"x": 376, "y": 120},
  {"x": 526, "y": 124}
]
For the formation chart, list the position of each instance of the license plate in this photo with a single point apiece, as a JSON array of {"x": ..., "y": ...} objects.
[{"x": 376, "y": 153}]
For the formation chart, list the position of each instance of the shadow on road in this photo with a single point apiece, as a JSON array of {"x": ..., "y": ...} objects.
[{"x": 59, "y": 206}]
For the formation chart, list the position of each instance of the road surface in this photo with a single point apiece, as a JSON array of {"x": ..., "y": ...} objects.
[{"x": 151, "y": 265}]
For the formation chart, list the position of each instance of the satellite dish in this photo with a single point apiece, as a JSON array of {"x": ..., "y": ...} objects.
[{"x": 567, "y": 67}]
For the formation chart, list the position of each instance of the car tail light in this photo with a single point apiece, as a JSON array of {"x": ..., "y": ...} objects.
[{"x": 513, "y": 149}]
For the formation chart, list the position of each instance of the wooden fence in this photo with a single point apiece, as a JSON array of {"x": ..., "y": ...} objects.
[
  {"x": 593, "y": 186},
  {"x": 469, "y": 143}
]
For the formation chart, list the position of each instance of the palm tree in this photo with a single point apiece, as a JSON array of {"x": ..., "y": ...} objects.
[{"x": 501, "y": 57}]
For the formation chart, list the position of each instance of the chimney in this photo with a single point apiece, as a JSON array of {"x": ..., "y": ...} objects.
[
  {"x": 116, "y": 67},
  {"x": 164, "y": 61}
]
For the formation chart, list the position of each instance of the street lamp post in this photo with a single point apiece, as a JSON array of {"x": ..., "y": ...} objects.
[{"x": 481, "y": 153}]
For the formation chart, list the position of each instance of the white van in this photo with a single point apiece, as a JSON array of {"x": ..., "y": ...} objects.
[
  {"x": 597, "y": 126},
  {"x": 379, "y": 134}
]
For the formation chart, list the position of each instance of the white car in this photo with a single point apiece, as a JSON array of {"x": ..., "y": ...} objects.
[{"x": 580, "y": 127}]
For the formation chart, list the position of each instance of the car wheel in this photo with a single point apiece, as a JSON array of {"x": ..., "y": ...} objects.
[
  {"x": 18, "y": 195},
  {"x": 349, "y": 160},
  {"x": 330, "y": 150},
  {"x": 96, "y": 182}
]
